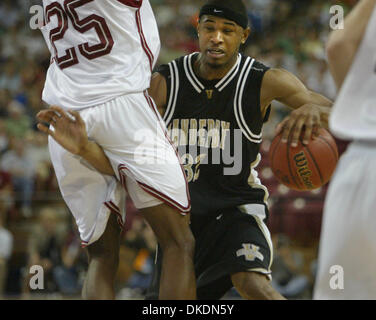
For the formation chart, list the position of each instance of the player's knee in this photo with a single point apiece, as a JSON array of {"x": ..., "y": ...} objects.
[
  {"x": 107, "y": 246},
  {"x": 106, "y": 258},
  {"x": 183, "y": 243},
  {"x": 104, "y": 252}
]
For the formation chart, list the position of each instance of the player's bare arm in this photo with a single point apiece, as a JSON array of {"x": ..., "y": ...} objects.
[
  {"x": 158, "y": 91},
  {"x": 343, "y": 44},
  {"x": 311, "y": 110},
  {"x": 70, "y": 132}
]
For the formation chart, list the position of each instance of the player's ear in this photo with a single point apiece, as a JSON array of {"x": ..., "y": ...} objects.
[{"x": 245, "y": 35}]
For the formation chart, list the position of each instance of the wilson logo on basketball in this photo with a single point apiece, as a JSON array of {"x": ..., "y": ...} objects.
[
  {"x": 303, "y": 170},
  {"x": 304, "y": 167}
]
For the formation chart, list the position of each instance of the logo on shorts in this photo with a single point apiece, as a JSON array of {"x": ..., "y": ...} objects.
[{"x": 250, "y": 252}]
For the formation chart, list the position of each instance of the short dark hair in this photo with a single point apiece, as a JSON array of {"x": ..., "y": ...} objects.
[{"x": 234, "y": 10}]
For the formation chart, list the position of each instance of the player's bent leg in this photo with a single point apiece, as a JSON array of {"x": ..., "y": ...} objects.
[
  {"x": 255, "y": 286},
  {"x": 177, "y": 243},
  {"x": 103, "y": 263}
]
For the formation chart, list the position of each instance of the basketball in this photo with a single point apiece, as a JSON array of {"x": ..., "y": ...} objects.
[{"x": 305, "y": 167}]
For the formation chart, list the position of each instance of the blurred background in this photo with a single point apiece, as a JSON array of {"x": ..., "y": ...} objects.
[{"x": 36, "y": 227}]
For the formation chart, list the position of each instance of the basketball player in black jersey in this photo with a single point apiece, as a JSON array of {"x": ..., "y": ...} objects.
[{"x": 214, "y": 104}]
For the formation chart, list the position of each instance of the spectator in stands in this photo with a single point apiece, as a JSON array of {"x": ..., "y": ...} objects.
[
  {"x": 45, "y": 246},
  {"x": 8, "y": 14},
  {"x": 6, "y": 193},
  {"x": 10, "y": 78},
  {"x": 18, "y": 123},
  {"x": 69, "y": 275},
  {"x": 287, "y": 270},
  {"x": 40, "y": 157},
  {"x": 5, "y": 99},
  {"x": 34, "y": 103},
  {"x": 6, "y": 246},
  {"x": 4, "y": 139},
  {"x": 19, "y": 164},
  {"x": 141, "y": 239}
]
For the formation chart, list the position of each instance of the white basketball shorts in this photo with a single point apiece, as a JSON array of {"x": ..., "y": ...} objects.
[
  {"x": 347, "y": 257},
  {"x": 134, "y": 138}
]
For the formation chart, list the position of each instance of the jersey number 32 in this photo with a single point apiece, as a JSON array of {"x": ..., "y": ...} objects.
[{"x": 83, "y": 25}]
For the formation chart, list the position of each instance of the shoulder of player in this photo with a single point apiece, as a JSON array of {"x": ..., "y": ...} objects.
[
  {"x": 253, "y": 63},
  {"x": 174, "y": 65},
  {"x": 180, "y": 60},
  {"x": 274, "y": 75},
  {"x": 275, "y": 84}
]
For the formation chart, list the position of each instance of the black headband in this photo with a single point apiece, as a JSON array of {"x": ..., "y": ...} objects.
[{"x": 219, "y": 11}]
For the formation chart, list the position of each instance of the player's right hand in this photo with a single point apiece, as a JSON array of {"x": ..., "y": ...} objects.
[
  {"x": 304, "y": 121},
  {"x": 69, "y": 129}
]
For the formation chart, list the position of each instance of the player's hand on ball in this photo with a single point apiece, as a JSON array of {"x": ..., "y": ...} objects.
[
  {"x": 307, "y": 118},
  {"x": 69, "y": 128}
]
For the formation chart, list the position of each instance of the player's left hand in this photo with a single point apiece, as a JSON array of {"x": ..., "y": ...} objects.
[
  {"x": 69, "y": 128},
  {"x": 309, "y": 117}
]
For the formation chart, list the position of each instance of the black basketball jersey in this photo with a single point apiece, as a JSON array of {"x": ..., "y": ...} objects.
[{"x": 216, "y": 126}]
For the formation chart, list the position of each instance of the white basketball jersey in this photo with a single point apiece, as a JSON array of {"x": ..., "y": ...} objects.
[
  {"x": 354, "y": 113},
  {"x": 100, "y": 50}
]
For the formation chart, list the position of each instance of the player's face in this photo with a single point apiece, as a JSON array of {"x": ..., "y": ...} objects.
[{"x": 220, "y": 39}]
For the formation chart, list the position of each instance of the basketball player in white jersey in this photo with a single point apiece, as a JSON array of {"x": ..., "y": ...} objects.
[
  {"x": 103, "y": 53},
  {"x": 347, "y": 257}
]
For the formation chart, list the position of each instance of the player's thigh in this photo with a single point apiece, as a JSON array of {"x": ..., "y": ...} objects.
[
  {"x": 247, "y": 244},
  {"x": 136, "y": 143},
  {"x": 227, "y": 244}
]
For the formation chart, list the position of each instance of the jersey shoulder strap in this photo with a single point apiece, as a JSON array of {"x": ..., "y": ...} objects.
[{"x": 247, "y": 107}]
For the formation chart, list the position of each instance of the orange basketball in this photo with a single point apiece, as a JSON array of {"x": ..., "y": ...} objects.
[{"x": 304, "y": 167}]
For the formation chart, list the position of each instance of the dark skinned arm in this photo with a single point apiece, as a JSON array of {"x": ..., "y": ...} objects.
[
  {"x": 343, "y": 44},
  {"x": 310, "y": 110}
]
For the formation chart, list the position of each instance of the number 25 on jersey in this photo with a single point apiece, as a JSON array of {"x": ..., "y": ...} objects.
[{"x": 93, "y": 21}]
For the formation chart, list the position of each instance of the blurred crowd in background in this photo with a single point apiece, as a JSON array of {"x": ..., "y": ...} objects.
[{"x": 36, "y": 227}]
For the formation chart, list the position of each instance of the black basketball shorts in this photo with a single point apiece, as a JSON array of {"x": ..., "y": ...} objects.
[{"x": 230, "y": 242}]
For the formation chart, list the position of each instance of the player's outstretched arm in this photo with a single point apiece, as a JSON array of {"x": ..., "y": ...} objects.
[
  {"x": 70, "y": 132},
  {"x": 343, "y": 44},
  {"x": 311, "y": 110}
]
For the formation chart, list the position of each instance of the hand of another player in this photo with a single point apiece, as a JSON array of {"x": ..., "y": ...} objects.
[
  {"x": 69, "y": 130},
  {"x": 308, "y": 117}
]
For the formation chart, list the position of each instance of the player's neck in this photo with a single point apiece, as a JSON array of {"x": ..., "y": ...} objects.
[{"x": 209, "y": 72}]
